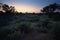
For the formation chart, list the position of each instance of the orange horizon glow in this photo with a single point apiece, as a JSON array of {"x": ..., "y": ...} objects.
[{"x": 26, "y": 8}]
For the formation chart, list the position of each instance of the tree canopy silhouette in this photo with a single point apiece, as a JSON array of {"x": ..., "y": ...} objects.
[
  {"x": 51, "y": 8},
  {"x": 7, "y": 8}
]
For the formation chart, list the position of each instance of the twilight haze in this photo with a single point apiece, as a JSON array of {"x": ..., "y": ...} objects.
[{"x": 29, "y": 5}]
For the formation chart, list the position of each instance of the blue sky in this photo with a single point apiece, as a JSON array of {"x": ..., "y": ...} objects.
[{"x": 36, "y": 3}]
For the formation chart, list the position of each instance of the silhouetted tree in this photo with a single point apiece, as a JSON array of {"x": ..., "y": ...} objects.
[
  {"x": 50, "y": 8},
  {"x": 12, "y": 8},
  {"x": 5, "y": 7}
]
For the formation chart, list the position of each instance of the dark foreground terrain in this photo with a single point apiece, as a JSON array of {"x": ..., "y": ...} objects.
[{"x": 29, "y": 26}]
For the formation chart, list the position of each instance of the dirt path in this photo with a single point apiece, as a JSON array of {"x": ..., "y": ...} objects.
[{"x": 34, "y": 35}]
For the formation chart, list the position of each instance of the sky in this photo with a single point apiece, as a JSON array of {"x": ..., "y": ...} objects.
[{"x": 29, "y": 5}]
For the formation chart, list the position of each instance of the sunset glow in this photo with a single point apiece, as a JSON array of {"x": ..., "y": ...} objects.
[{"x": 25, "y": 8}]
